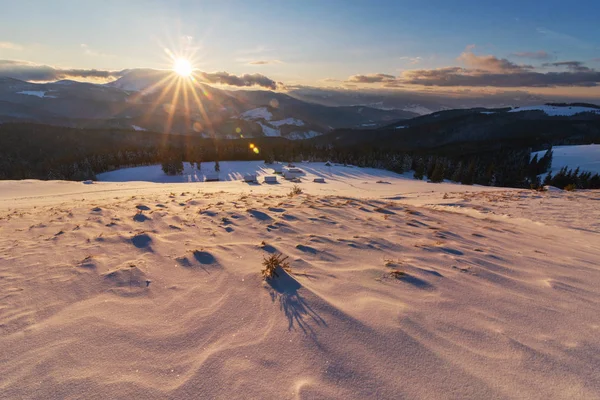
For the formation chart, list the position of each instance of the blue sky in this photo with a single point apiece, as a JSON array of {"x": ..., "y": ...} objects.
[{"x": 306, "y": 42}]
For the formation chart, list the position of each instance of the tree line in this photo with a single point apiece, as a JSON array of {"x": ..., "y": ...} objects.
[{"x": 29, "y": 151}]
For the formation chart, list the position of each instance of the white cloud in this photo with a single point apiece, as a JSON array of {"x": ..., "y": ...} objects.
[
  {"x": 10, "y": 46},
  {"x": 412, "y": 60},
  {"x": 93, "y": 53}
]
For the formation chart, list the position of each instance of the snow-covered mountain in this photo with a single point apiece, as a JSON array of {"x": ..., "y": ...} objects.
[
  {"x": 146, "y": 100},
  {"x": 559, "y": 110}
]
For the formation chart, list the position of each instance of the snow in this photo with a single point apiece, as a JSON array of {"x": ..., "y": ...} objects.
[
  {"x": 418, "y": 109},
  {"x": 303, "y": 135},
  {"x": 268, "y": 131},
  {"x": 586, "y": 157},
  {"x": 398, "y": 288},
  {"x": 257, "y": 113},
  {"x": 555, "y": 111},
  {"x": 488, "y": 112},
  {"x": 138, "y": 128},
  {"x": 402, "y": 127},
  {"x": 288, "y": 121},
  {"x": 37, "y": 93},
  {"x": 368, "y": 125},
  {"x": 230, "y": 171}
]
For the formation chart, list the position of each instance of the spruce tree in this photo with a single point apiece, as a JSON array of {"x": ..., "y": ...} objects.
[
  {"x": 438, "y": 171},
  {"x": 419, "y": 168}
]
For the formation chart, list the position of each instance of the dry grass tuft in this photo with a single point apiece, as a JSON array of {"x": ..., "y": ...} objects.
[
  {"x": 272, "y": 262},
  {"x": 296, "y": 190},
  {"x": 397, "y": 273}
]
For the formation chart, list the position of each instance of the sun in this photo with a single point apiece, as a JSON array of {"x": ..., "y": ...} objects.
[{"x": 183, "y": 67}]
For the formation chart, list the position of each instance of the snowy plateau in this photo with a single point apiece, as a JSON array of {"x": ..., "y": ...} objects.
[{"x": 147, "y": 286}]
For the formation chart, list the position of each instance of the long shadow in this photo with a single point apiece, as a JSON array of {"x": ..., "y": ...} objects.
[
  {"x": 259, "y": 215},
  {"x": 204, "y": 257},
  {"x": 307, "y": 249},
  {"x": 285, "y": 290},
  {"x": 140, "y": 217},
  {"x": 418, "y": 282},
  {"x": 142, "y": 241},
  {"x": 269, "y": 249}
]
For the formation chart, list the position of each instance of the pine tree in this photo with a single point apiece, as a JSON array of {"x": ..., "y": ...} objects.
[
  {"x": 438, "y": 171},
  {"x": 419, "y": 168},
  {"x": 469, "y": 175},
  {"x": 548, "y": 179},
  {"x": 269, "y": 157},
  {"x": 457, "y": 172}
]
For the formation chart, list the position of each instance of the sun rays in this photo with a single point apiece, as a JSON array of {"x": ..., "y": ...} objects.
[
  {"x": 179, "y": 100},
  {"x": 183, "y": 67}
]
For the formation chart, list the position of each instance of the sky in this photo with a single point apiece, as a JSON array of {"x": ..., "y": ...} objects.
[{"x": 542, "y": 47}]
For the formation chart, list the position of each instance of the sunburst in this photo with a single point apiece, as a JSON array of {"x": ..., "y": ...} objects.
[{"x": 183, "y": 67}]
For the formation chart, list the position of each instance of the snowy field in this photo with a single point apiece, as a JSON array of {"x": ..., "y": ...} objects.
[
  {"x": 586, "y": 157},
  {"x": 141, "y": 287},
  {"x": 235, "y": 171}
]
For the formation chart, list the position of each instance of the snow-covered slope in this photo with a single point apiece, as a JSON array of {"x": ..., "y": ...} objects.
[
  {"x": 417, "y": 109},
  {"x": 37, "y": 93},
  {"x": 398, "y": 289},
  {"x": 555, "y": 111},
  {"x": 586, "y": 157},
  {"x": 268, "y": 131},
  {"x": 288, "y": 121},
  {"x": 257, "y": 113}
]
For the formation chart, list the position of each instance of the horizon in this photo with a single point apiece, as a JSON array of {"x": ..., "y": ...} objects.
[{"x": 439, "y": 49}]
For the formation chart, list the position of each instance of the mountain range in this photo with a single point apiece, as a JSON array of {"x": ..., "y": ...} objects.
[
  {"x": 475, "y": 130},
  {"x": 156, "y": 101}
]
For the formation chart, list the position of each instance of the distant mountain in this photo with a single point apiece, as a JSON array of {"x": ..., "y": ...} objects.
[
  {"x": 421, "y": 103},
  {"x": 155, "y": 101},
  {"x": 475, "y": 130}
]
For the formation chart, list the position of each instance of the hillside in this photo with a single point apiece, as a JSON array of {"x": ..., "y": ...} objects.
[
  {"x": 397, "y": 289},
  {"x": 151, "y": 100},
  {"x": 465, "y": 131}
]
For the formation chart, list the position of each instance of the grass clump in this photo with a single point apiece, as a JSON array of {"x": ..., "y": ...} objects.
[
  {"x": 296, "y": 190},
  {"x": 272, "y": 262},
  {"x": 398, "y": 274},
  {"x": 570, "y": 187}
]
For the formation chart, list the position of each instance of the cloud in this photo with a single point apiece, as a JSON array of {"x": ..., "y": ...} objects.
[
  {"x": 456, "y": 76},
  {"x": 412, "y": 60},
  {"x": 28, "y": 71},
  {"x": 226, "y": 78},
  {"x": 576, "y": 66},
  {"x": 90, "y": 52},
  {"x": 255, "y": 50},
  {"x": 40, "y": 73},
  {"x": 10, "y": 46},
  {"x": 534, "y": 55},
  {"x": 564, "y": 39},
  {"x": 490, "y": 71},
  {"x": 372, "y": 78},
  {"x": 265, "y": 62},
  {"x": 491, "y": 63}
]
